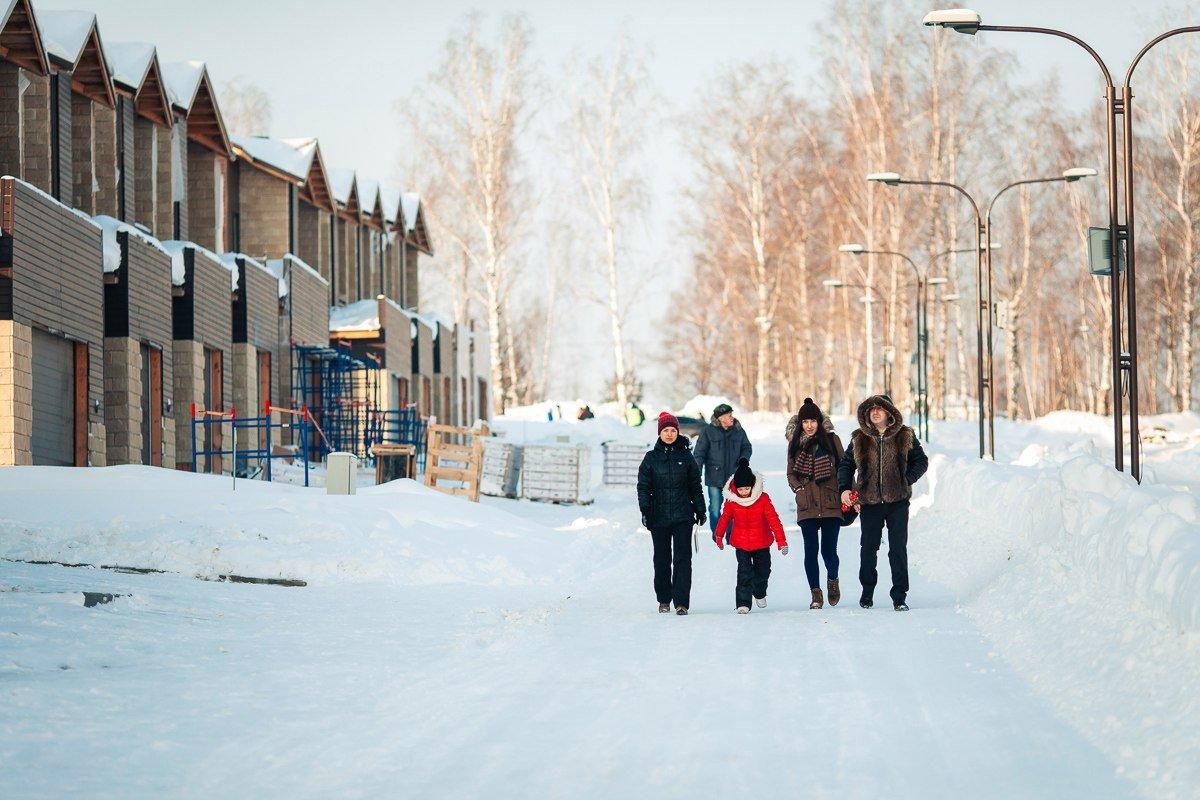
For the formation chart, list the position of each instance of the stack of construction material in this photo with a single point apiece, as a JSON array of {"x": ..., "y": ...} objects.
[
  {"x": 621, "y": 463},
  {"x": 501, "y": 468},
  {"x": 556, "y": 473}
]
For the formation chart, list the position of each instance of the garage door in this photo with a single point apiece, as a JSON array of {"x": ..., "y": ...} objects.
[{"x": 53, "y": 440}]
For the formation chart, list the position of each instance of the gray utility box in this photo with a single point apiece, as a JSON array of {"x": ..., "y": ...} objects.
[
  {"x": 621, "y": 463},
  {"x": 556, "y": 473},
  {"x": 501, "y": 468}
]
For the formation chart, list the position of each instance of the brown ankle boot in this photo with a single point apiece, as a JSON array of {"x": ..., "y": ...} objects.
[
  {"x": 663, "y": 608},
  {"x": 818, "y": 600},
  {"x": 835, "y": 592}
]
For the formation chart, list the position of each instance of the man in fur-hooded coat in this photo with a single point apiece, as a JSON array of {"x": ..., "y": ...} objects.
[{"x": 881, "y": 463}]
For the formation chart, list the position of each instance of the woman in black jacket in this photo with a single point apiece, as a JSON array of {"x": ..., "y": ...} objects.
[{"x": 671, "y": 501}]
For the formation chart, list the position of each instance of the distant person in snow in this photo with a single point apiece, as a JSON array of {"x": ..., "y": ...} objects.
[
  {"x": 585, "y": 413},
  {"x": 814, "y": 452},
  {"x": 634, "y": 416},
  {"x": 757, "y": 527},
  {"x": 881, "y": 464},
  {"x": 721, "y": 444},
  {"x": 671, "y": 502}
]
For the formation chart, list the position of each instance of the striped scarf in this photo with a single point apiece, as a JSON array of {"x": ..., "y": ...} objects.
[{"x": 819, "y": 468}]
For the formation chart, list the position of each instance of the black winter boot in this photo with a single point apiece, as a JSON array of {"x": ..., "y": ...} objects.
[{"x": 865, "y": 601}]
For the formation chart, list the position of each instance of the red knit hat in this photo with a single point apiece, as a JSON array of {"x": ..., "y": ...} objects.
[{"x": 667, "y": 420}]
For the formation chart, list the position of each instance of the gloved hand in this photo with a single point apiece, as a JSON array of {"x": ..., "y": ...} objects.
[
  {"x": 783, "y": 550},
  {"x": 700, "y": 517}
]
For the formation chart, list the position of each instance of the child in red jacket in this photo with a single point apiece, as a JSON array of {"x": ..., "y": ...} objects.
[{"x": 755, "y": 526}]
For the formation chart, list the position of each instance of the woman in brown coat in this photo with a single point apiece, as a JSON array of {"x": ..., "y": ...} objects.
[{"x": 814, "y": 451}]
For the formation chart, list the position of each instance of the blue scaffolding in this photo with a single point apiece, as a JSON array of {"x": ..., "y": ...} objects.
[
  {"x": 261, "y": 429},
  {"x": 341, "y": 393}
]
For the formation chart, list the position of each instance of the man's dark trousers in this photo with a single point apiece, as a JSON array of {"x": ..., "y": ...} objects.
[{"x": 872, "y": 519}]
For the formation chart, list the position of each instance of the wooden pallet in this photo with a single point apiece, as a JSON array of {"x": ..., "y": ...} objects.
[{"x": 454, "y": 454}]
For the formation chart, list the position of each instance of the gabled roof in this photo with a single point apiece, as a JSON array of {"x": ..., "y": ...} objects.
[
  {"x": 288, "y": 159},
  {"x": 20, "y": 39},
  {"x": 371, "y": 202},
  {"x": 72, "y": 42},
  {"x": 389, "y": 201},
  {"x": 297, "y": 161},
  {"x": 191, "y": 92},
  {"x": 416, "y": 233},
  {"x": 135, "y": 69},
  {"x": 344, "y": 185},
  {"x": 316, "y": 184}
]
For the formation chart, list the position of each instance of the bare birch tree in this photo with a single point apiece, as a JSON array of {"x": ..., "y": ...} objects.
[
  {"x": 245, "y": 107},
  {"x": 609, "y": 115},
  {"x": 469, "y": 120}
]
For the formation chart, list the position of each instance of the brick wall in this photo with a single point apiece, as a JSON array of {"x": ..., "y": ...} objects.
[
  {"x": 313, "y": 238},
  {"x": 123, "y": 400},
  {"x": 188, "y": 388},
  {"x": 82, "y": 154},
  {"x": 16, "y": 393},
  {"x": 10, "y": 119},
  {"x": 35, "y": 131},
  {"x": 263, "y": 204},
  {"x": 202, "y": 201},
  {"x": 105, "y": 158},
  {"x": 412, "y": 294},
  {"x": 145, "y": 178},
  {"x": 163, "y": 210}
]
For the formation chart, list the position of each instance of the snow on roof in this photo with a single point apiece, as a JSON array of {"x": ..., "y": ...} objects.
[
  {"x": 276, "y": 267},
  {"x": 230, "y": 261},
  {"x": 292, "y": 156},
  {"x": 360, "y": 316},
  {"x": 340, "y": 181},
  {"x": 176, "y": 247},
  {"x": 424, "y": 319},
  {"x": 368, "y": 190},
  {"x": 389, "y": 199},
  {"x": 64, "y": 33},
  {"x": 109, "y": 227},
  {"x": 128, "y": 62},
  {"x": 183, "y": 80},
  {"x": 411, "y": 203}
]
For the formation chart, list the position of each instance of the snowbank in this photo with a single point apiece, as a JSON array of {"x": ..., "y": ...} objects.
[{"x": 400, "y": 533}]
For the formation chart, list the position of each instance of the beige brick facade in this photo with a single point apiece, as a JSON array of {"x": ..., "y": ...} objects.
[
  {"x": 105, "y": 159},
  {"x": 10, "y": 119},
  {"x": 16, "y": 393},
  {"x": 35, "y": 131},
  {"x": 245, "y": 390},
  {"x": 187, "y": 388},
  {"x": 164, "y": 210},
  {"x": 83, "y": 153},
  {"x": 123, "y": 400},
  {"x": 145, "y": 183},
  {"x": 263, "y": 207},
  {"x": 205, "y": 199}
]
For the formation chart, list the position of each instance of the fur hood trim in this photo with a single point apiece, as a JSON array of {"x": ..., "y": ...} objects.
[
  {"x": 732, "y": 496},
  {"x": 895, "y": 422}
]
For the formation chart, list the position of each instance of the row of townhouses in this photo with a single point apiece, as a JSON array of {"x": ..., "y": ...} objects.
[{"x": 156, "y": 268}]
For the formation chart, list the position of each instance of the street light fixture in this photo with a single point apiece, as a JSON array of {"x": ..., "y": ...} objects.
[
  {"x": 983, "y": 281},
  {"x": 1122, "y": 235}
]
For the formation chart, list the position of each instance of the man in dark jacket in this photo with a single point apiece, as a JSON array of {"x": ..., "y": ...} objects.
[
  {"x": 888, "y": 460},
  {"x": 671, "y": 502},
  {"x": 722, "y": 442}
]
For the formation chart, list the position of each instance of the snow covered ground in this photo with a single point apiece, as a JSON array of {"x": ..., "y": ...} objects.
[{"x": 512, "y": 649}]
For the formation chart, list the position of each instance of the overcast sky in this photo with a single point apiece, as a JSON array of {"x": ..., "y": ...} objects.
[{"x": 336, "y": 70}]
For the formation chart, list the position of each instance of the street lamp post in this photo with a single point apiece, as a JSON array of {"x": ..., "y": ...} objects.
[
  {"x": 922, "y": 332},
  {"x": 984, "y": 309},
  {"x": 1121, "y": 235}
]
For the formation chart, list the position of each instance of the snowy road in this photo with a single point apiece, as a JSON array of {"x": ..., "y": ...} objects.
[{"x": 549, "y": 673}]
